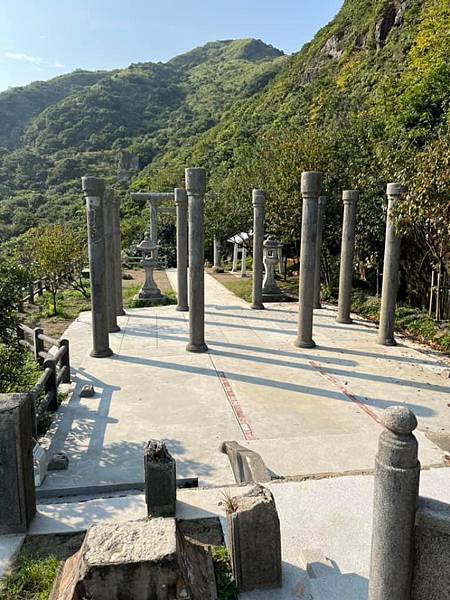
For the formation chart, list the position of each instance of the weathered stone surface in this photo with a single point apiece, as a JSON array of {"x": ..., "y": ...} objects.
[
  {"x": 431, "y": 571},
  {"x": 331, "y": 48},
  {"x": 399, "y": 419},
  {"x": 254, "y": 530},
  {"x": 385, "y": 24},
  {"x": 197, "y": 566},
  {"x": 17, "y": 492},
  {"x": 160, "y": 480},
  {"x": 58, "y": 462},
  {"x": 87, "y": 391},
  {"x": 247, "y": 465},
  {"x": 206, "y": 532}
]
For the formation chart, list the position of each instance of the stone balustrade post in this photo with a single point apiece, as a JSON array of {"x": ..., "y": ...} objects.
[
  {"x": 391, "y": 267},
  {"x": 350, "y": 200},
  {"x": 320, "y": 219},
  {"x": 182, "y": 248},
  {"x": 310, "y": 188},
  {"x": 196, "y": 188},
  {"x": 396, "y": 488},
  {"x": 258, "y": 201},
  {"x": 94, "y": 188}
]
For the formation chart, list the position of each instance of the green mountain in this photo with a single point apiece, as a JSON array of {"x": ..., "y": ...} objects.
[{"x": 53, "y": 132}]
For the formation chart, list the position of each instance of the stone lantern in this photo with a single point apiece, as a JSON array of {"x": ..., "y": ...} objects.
[
  {"x": 149, "y": 293},
  {"x": 271, "y": 253}
]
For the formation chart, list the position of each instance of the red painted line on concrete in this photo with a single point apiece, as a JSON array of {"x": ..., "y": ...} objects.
[
  {"x": 236, "y": 407},
  {"x": 341, "y": 387}
]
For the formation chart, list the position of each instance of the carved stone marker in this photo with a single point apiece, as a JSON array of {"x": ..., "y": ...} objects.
[
  {"x": 270, "y": 290},
  {"x": 254, "y": 530},
  {"x": 396, "y": 486},
  {"x": 17, "y": 493},
  {"x": 160, "y": 480}
]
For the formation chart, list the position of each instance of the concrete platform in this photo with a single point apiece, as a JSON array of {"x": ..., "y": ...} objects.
[{"x": 306, "y": 412}]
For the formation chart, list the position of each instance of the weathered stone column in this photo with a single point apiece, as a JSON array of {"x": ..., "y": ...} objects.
[
  {"x": 390, "y": 270},
  {"x": 182, "y": 249},
  {"x": 258, "y": 201},
  {"x": 320, "y": 219},
  {"x": 235, "y": 258},
  {"x": 397, "y": 473},
  {"x": 117, "y": 254},
  {"x": 94, "y": 188},
  {"x": 160, "y": 480},
  {"x": 216, "y": 252},
  {"x": 196, "y": 188},
  {"x": 310, "y": 188},
  {"x": 244, "y": 262},
  {"x": 111, "y": 291},
  {"x": 350, "y": 200}
]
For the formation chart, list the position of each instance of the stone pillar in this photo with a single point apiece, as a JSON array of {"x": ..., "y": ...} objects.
[
  {"x": 196, "y": 188},
  {"x": 310, "y": 188},
  {"x": 255, "y": 540},
  {"x": 117, "y": 254},
  {"x": 17, "y": 492},
  {"x": 396, "y": 488},
  {"x": 235, "y": 257},
  {"x": 182, "y": 248},
  {"x": 94, "y": 188},
  {"x": 350, "y": 200},
  {"x": 160, "y": 480},
  {"x": 216, "y": 252},
  {"x": 153, "y": 221},
  {"x": 390, "y": 270},
  {"x": 258, "y": 201},
  {"x": 111, "y": 292},
  {"x": 244, "y": 262},
  {"x": 320, "y": 218}
]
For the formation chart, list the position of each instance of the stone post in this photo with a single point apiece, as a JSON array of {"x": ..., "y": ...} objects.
[
  {"x": 111, "y": 292},
  {"x": 17, "y": 492},
  {"x": 350, "y": 200},
  {"x": 396, "y": 488},
  {"x": 117, "y": 249},
  {"x": 216, "y": 252},
  {"x": 94, "y": 188},
  {"x": 235, "y": 257},
  {"x": 182, "y": 248},
  {"x": 320, "y": 219},
  {"x": 310, "y": 188},
  {"x": 196, "y": 188},
  {"x": 244, "y": 262},
  {"x": 160, "y": 480},
  {"x": 258, "y": 201},
  {"x": 390, "y": 270}
]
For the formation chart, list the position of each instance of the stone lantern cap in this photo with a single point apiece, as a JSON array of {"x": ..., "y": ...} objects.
[
  {"x": 272, "y": 243},
  {"x": 147, "y": 245}
]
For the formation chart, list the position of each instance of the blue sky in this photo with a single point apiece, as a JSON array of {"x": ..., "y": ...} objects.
[{"x": 40, "y": 39}]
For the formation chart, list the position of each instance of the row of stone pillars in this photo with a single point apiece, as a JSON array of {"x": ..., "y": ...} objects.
[{"x": 310, "y": 253}]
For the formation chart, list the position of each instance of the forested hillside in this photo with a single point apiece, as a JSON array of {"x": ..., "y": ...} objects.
[
  {"x": 51, "y": 133},
  {"x": 367, "y": 101}
]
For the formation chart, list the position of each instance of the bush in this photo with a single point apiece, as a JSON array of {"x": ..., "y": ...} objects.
[{"x": 18, "y": 370}]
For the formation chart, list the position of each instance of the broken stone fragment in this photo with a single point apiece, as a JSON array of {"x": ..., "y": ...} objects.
[
  {"x": 87, "y": 391},
  {"x": 58, "y": 462},
  {"x": 160, "y": 480}
]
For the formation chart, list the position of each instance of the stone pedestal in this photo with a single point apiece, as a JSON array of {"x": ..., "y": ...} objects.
[
  {"x": 270, "y": 290},
  {"x": 258, "y": 201},
  {"x": 149, "y": 294},
  {"x": 396, "y": 487},
  {"x": 17, "y": 492},
  {"x": 182, "y": 248},
  {"x": 254, "y": 530},
  {"x": 94, "y": 189},
  {"x": 350, "y": 199},
  {"x": 310, "y": 188},
  {"x": 196, "y": 188},
  {"x": 320, "y": 218},
  {"x": 160, "y": 480},
  {"x": 391, "y": 267}
]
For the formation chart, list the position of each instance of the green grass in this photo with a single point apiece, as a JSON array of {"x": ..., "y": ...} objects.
[
  {"x": 226, "y": 585},
  {"x": 32, "y": 579},
  {"x": 240, "y": 287}
]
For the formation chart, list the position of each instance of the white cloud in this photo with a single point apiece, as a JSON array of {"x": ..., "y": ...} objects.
[{"x": 35, "y": 60}]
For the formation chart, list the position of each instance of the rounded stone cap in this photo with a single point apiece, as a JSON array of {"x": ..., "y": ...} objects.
[
  {"x": 311, "y": 182},
  {"x": 350, "y": 195},
  {"x": 180, "y": 195},
  {"x": 399, "y": 419},
  {"x": 195, "y": 180},
  {"x": 258, "y": 197},
  {"x": 395, "y": 189},
  {"x": 323, "y": 200},
  {"x": 93, "y": 186}
]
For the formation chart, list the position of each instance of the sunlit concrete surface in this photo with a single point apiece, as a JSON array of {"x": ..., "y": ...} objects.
[{"x": 306, "y": 412}]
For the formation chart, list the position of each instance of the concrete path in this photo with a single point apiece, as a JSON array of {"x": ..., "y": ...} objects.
[{"x": 306, "y": 412}]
